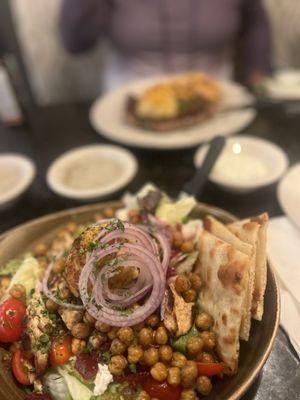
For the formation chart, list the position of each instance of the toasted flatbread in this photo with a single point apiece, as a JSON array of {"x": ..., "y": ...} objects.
[
  {"x": 225, "y": 274},
  {"x": 254, "y": 231},
  {"x": 222, "y": 232}
]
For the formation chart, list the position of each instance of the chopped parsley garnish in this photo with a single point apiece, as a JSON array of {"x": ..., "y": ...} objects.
[
  {"x": 43, "y": 343},
  {"x": 106, "y": 356},
  {"x": 92, "y": 246},
  {"x": 132, "y": 368},
  {"x": 114, "y": 225}
]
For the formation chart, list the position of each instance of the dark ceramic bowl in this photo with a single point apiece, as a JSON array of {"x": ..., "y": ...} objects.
[{"x": 254, "y": 353}]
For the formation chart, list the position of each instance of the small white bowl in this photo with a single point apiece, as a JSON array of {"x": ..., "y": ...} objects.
[
  {"x": 91, "y": 171},
  {"x": 16, "y": 175},
  {"x": 288, "y": 193},
  {"x": 245, "y": 164}
]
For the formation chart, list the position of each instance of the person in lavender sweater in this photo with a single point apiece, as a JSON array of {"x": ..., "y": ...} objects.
[{"x": 148, "y": 37}]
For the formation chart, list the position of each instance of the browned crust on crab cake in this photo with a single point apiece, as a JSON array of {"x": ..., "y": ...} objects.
[{"x": 167, "y": 125}]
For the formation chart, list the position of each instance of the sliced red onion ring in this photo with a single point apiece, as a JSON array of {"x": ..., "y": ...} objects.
[{"x": 103, "y": 310}]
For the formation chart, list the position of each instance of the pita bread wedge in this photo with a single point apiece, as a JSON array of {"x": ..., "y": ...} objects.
[
  {"x": 223, "y": 233},
  {"x": 254, "y": 231},
  {"x": 225, "y": 274}
]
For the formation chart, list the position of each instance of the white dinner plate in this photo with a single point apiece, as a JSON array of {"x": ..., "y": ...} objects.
[
  {"x": 284, "y": 85},
  {"x": 74, "y": 173},
  {"x": 107, "y": 116},
  {"x": 289, "y": 194}
]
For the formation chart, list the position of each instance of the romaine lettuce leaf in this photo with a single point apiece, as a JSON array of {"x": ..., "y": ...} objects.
[
  {"x": 77, "y": 390},
  {"x": 27, "y": 274},
  {"x": 174, "y": 212},
  {"x": 56, "y": 385}
]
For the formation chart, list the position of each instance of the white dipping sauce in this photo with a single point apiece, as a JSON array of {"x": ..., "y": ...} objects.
[
  {"x": 90, "y": 173},
  {"x": 239, "y": 167}
]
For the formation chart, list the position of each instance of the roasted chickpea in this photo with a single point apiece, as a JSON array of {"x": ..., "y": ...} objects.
[
  {"x": 126, "y": 335},
  {"x": 204, "y": 385},
  {"x": 112, "y": 333},
  {"x": 117, "y": 364},
  {"x": 195, "y": 280},
  {"x": 203, "y": 321},
  {"x": 135, "y": 353},
  {"x": 138, "y": 327},
  {"x": 17, "y": 291},
  {"x": 117, "y": 347},
  {"x": 80, "y": 330},
  {"x": 109, "y": 212},
  {"x": 194, "y": 345},
  {"x": 51, "y": 305},
  {"x": 159, "y": 372},
  {"x": 96, "y": 340},
  {"x": 177, "y": 238},
  {"x": 143, "y": 395},
  {"x": 145, "y": 337},
  {"x": 88, "y": 319},
  {"x": 63, "y": 291},
  {"x": 165, "y": 353},
  {"x": 190, "y": 296},
  {"x": 61, "y": 234},
  {"x": 102, "y": 327},
  {"x": 41, "y": 249},
  {"x": 58, "y": 266},
  {"x": 188, "y": 394},
  {"x": 174, "y": 378},
  {"x": 161, "y": 335},
  {"x": 187, "y": 246},
  {"x": 151, "y": 356},
  {"x": 77, "y": 345},
  {"x": 189, "y": 374},
  {"x": 152, "y": 320},
  {"x": 182, "y": 284},
  {"x": 205, "y": 358},
  {"x": 178, "y": 360},
  {"x": 209, "y": 340},
  {"x": 72, "y": 227}
]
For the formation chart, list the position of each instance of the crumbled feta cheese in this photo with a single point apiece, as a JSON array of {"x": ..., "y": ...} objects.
[
  {"x": 102, "y": 380},
  {"x": 192, "y": 230}
]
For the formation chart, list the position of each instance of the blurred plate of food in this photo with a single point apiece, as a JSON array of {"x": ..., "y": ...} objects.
[
  {"x": 289, "y": 194},
  {"x": 172, "y": 112},
  {"x": 246, "y": 164},
  {"x": 283, "y": 85},
  {"x": 91, "y": 171},
  {"x": 16, "y": 175}
]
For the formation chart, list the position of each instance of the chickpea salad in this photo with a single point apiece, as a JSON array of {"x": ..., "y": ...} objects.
[{"x": 144, "y": 302}]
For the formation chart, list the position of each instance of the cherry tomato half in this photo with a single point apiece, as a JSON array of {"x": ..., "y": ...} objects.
[
  {"x": 210, "y": 369},
  {"x": 161, "y": 390},
  {"x": 12, "y": 312},
  {"x": 61, "y": 351},
  {"x": 19, "y": 368}
]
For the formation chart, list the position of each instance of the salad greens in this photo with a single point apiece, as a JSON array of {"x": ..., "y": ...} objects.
[
  {"x": 179, "y": 344},
  {"x": 26, "y": 274}
]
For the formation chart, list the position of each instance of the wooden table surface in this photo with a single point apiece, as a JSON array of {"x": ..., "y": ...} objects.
[{"x": 50, "y": 131}]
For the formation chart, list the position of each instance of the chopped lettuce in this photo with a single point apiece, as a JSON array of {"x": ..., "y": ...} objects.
[
  {"x": 76, "y": 388},
  {"x": 179, "y": 344},
  {"x": 174, "y": 212},
  {"x": 27, "y": 274},
  {"x": 56, "y": 385},
  {"x": 10, "y": 268},
  {"x": 188, "y": 263}
]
